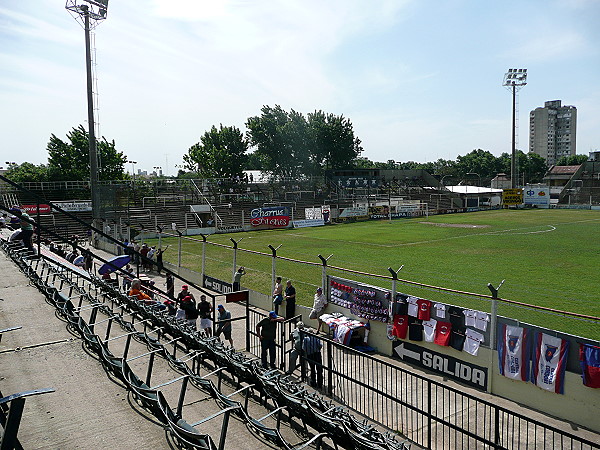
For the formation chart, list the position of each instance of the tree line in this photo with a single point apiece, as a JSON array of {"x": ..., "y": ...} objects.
[{"x": 281, "y": 143}]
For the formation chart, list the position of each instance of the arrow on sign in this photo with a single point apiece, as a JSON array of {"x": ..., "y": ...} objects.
[{"x": 402, "y": 352}]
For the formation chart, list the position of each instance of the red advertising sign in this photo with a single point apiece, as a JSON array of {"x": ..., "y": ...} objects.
[
  {"x": 272, "y": 217},
  {"x": 32, "y": 209}
]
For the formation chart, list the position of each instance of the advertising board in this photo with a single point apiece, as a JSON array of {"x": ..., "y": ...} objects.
[
  {"x": 537, "y": 196},
  {"x": 512, "y": 197},
  {"x": 278, "y": 217}
]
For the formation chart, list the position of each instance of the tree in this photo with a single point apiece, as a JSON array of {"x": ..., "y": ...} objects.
[
  {"x": 27, "y": 172},
  {"x": 479, "y": 161},
  {"x": 221, "y": 153},
  {"x": 333, "y": 143},
  {"x": 571, "y": 160},
  {"x": 69, "y": 161},
  {"x": 275, "y": 135},
  {"x": 289, "y": 145}
]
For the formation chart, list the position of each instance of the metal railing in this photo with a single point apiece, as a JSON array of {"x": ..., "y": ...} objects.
[{"x": 428, "y": 412}]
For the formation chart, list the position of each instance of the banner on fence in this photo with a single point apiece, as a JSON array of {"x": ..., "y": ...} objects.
[
  {"x": 33, "y": 209},
  {"x": 589, "y": 357},
  {"x": 74, "y": 206},
  {"x": 470, "y": 374},
  {"x": 277, "y": 217},
  {"x": 537, "y": 196},
  {"x": 313, "y": 213},
  {"x": 217, "y": 285},
  {"x": 308, "y": 223},
  {"x": 549, "y": 362},
  {"x": 512, "y": 196},
  {"x": 513, "y": 352}
]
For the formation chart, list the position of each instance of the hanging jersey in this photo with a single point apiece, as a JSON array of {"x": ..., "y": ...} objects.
[
  {"x": 413, "y": 308},
  {"x": 442, "y": 333},
  {"x": 549, "y": 362},
  {"x": 481, "y": 320},
  {"x": 400, "y": 326},
  {"x": 457, "y": 338},
  {"x": 513, "y": 352},
  {"x": 415, "y": 331},
  {"x": 440, "y": 310},
  {"x": 469, "y": 317},
  {"x": 589, "y": 357},
  {"x": 429, "y": 330},
  {"x": 473, "y": 340},
  {"x": 424, "y": 309},
  {"x": 457, "y": 318}
]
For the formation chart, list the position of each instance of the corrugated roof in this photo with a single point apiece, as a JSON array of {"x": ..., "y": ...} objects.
[{"x": 563, "y": 170}]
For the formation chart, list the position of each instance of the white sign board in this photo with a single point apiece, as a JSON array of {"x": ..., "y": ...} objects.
[
  {"x": 536, "y": 196},
  {"x": 74, "y": 206}
]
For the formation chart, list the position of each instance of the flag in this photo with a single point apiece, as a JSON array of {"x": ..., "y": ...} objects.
[
  {"x": 549, "y": 362},
  {"x": 513, "y": 352},
  {"x": 589, "y": 357}
]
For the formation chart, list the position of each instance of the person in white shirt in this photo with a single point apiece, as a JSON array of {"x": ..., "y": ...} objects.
[{"x": 319, "y": 304}]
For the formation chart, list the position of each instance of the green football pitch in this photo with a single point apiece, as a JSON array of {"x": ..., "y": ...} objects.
[{"x": 547, "y": 257}]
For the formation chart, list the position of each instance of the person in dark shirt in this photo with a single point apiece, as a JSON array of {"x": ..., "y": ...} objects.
[
  {"x": 290, "y": 300},
  {"x": 311, "y": 345},
  {"x": 224, "y": 327},
  {"x": 266, "y": 330}
]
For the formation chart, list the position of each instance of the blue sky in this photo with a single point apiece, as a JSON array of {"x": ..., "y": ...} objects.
[{"x": 419, "y": 79}]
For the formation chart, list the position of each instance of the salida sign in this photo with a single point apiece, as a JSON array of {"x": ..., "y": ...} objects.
[
  {"x": 470, "y": 374},
  {"x": 273, "y": 217}
]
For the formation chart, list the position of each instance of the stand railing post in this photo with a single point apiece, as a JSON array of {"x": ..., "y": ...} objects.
[{"x": 273, "y": 265}]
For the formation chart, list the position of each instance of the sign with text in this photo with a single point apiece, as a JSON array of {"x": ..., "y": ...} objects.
[
  {"x": 278, "y": 216},
  {"x": 214, "y": 284},
  {"x": 33, "y": 209},
  {"x": 470, "y": 374},
  {"x": 512, "y": 196},
  {"x": 74, "y": 206},
  {"x": 357, "y": 211},
  {"x": 537, "y": 196},
  {"x": 308, "y": 223}
]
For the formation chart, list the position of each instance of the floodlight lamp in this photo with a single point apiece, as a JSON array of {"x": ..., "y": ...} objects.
[
  {"x": 515, "y": 77},
  {"x": 95, "y": 9}
]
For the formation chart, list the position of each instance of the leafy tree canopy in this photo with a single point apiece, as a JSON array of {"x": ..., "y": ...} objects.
[
  {"x": 221, "y": 153},
  {"x": 571, "y": 160},
  {"x": 69, "y": 161},
  {"x": 27, "y": 172},
  {"x": 289, "y": 144}
]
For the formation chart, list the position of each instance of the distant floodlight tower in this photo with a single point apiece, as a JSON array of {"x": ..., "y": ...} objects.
[
  {"x": 89, "y": 13},
  {"x": 514, "y": 80}
]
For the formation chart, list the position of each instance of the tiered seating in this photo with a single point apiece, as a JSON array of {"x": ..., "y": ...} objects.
[{"x": 61, "y": 286}]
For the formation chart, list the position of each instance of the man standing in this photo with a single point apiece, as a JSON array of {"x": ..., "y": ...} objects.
[
  {"x": 205, "y": 310},
  {"x": 296, "y": 336},
  {"x": 26, "y": 227},
  {"x": 290, "y": 300},
  {"x": 237, "y": 278},
  {"x": 311, "y": 345},
  {"x": 224, "y": 320},
  {"x": 277, "y": 294},
  {"x": 320, "y": 302},
  {"x": 266, "y": 330}
]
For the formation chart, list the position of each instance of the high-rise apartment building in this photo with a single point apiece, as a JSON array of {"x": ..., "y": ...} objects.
[{"x": 552, "y": 131}]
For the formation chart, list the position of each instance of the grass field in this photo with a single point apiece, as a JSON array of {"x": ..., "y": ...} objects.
[{"x": 547, "y": 257}]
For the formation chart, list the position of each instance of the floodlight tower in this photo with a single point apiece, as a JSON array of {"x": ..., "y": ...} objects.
[
  {"x": 514, "y": 80},
  {"x": 89, "y": 13}
]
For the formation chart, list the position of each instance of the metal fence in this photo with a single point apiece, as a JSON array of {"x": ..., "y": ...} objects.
[{"x": 430, "y": 413}]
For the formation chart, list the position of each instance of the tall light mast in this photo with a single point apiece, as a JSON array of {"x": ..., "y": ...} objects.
[
  {"x": 89, "y": 13},
  {"x": 514, "y": 80}
]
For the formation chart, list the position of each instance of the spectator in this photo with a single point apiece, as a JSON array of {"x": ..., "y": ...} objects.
[
  {"x": 3, "y": 220},
  {"x": 170, "y": 284},
  {"x": 127, "y": 277},
  {"x": 311, "y": 346},
  {"x": 204, "y": 310},
  {"x": 319, "y": 303},
  {"x": 224, "y": 327},
  {"x": 159, "y": 259},
  {"x": 26, "y": 227},
  {"x": 290, "y": 300},
  {"x": 136, "y": 252},
  {"x": 188, "y": 304},
  {"x": 136, "y": 291},
  {"x": 144, "y": 255},
  {"x": 277, "y": 295},
  {"x": 237, "y": 278},
  {"x": 266, "y": 330},
  {"x": 184, "y": 293},
  {"x": 88, "y": 261},
  {"x": 296, "y": 337}
]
